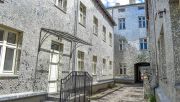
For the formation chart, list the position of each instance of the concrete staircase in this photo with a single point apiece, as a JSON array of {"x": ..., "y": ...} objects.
[{"x": 53, "y": 98}]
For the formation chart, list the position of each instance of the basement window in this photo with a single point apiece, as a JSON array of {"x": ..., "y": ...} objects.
[{"x": 10, "y": 51}]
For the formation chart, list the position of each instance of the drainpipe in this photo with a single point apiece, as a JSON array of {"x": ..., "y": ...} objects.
[
  {"x": 157, "y": 74},
  {"x": 73, "y": 47}
]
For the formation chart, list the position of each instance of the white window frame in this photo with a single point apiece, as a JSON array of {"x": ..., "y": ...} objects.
[
  {"x": 104, "y": 33},
  {"x": 4, "y": 44},
  {"x": 123, "y": 68},
  {"x": 122, "y": 23},
  {"x": 142, "y": 40},
  {"x": 82, "y": 14},
  {"x": 94, "y": 65},
  {"x": 62, "y": 4},
  {"x": 142, "y": 21},
  {"x": 81, "y": 60},
  {"x": 121, "y": 45},
  {"x": 95, "y": 25}
]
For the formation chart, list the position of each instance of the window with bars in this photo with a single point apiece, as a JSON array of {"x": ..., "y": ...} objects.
[
  {"x": 104, "y": 33},
  {"x": 10, "y": 51},
  {"x": 95, "y": 26},
  {"x": 142, "y": 22},
  {"x": 80, "y": 61},
  {"x": 82, "y": 14},
  {"x": 62, "y": 4},
  {"x": 122, "y": 23},
  {"x": 143, "y": 43},
  {"x": 94, "y": 64}
]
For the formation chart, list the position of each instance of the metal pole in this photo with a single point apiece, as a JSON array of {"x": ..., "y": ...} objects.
[{"x": 84, "y": 86}]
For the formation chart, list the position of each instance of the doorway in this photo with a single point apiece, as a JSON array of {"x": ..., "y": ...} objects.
[
  {"x": 137, "y": 71},
  {"x": 54, "y": 66}
]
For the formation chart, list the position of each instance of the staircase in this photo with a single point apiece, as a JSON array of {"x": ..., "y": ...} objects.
[{"x": 75, "y": 87}]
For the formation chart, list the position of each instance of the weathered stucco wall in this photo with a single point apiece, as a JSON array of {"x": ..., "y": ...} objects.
[
  {"x": 28, "y": 17},
  {"x": 131, "y": 53}
]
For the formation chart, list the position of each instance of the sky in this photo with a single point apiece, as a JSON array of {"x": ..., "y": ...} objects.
[{"x": 122, "y": 2}]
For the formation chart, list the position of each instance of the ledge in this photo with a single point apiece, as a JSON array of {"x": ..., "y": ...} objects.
[
  {"x": 20, "y": 95},
  {"x": 103, "y": 82},
  {"x": 2, "y": 76}
]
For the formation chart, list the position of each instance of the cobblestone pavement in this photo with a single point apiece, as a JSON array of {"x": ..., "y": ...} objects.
[{"x": 129, "y": 93}]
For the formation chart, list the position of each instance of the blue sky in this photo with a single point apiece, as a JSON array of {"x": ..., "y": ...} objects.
[{"x": 122, "y": 2}]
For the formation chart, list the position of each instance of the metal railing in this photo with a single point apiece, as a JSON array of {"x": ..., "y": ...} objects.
[{"x": 76, "y": 87}]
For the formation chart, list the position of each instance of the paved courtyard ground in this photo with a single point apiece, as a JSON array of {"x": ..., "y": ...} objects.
[{"x": 128, "y": 93}]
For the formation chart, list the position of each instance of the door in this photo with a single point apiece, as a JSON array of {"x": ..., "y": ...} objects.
[{"x": 54, "y": 67}]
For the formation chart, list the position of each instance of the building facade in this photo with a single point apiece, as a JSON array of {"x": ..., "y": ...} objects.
[
  {"x": 43, "y": 41},
  {"x": 163, "y": 33},
  {"x": 131, "y": 48}
]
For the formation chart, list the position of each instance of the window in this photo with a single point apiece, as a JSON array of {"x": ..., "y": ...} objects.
[
  {"x": 10, "y": 51},
  {"x": 141, "y": 8},
  {"x": 95, "y": 26},
  {"x": 122, "y": 69},
  {"x": 94, "y": 64},
  {"x": 82, "y": 14},
  {"x": 142, "y": 22},
  {"x": 121, "y": 10},
  {"x": 62, "y": 4},
  {"x": 104, "y": 65},
  {"x": 110, "y": 39},
  {"x": 110, "y": 64},
  {"x": 143, "y": 44},
  {"x": 121, "y": 45},
  {"x": 104, "y": 33},
  {"x": 80, "y": 61},
  {"x": 122, "y": 24}
]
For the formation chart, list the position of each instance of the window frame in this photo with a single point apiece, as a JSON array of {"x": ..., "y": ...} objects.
[
  {"x": 16, "y": 54},
  {"x": 104, "y": 66},
  {"x": 82, "y": 14},
  {"x": 142, "y": 21},
  {"x": 144, "y": 43},
  {"x": 110, "y": 39},
  {"x": 122, "y": 23},
  {"x": 94, "y": 63},
  {"x": 62, "y": 5},
  {"x": 81, "y": 60},
  {"x": 95, "y": 25},
  {"x": 104, "y": 33},
  {"x": 121, "y": 10}
]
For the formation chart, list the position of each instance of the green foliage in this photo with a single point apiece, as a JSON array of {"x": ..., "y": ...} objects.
[{"x": 152, "y": 98}]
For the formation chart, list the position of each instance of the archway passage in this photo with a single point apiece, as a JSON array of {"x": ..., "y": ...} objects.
[{"x": 137, "y": 71}]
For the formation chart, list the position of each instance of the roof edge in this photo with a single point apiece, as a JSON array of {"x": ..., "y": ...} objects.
[
  {"x": 106, "y": 12},
  {"x": 125, "y": 5}
]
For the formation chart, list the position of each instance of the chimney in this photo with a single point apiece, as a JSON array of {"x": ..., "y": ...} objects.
[
  {"x": 117, "y": 4},
  {"x": 132, "y": 1}
]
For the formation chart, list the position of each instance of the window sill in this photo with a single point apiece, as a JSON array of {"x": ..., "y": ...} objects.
[
  {"x": 82, "y": 24},
  {"x": 8, "y": 76},
  {"x": 64, "y": 11}
]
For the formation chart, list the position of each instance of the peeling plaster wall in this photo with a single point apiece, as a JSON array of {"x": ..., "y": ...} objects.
[
  {"x": 169, "y": 26},
  {"x": 29, "y": 16}
]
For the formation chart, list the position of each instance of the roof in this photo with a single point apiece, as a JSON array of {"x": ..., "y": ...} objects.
[
  {"x": 101, "y": 5},
  {"x": 65, "y": 35},
  {"x": 136, "y": 4}
]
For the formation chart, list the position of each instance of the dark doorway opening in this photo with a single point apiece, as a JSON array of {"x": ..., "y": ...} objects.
[{"x": 137, "y": 72}]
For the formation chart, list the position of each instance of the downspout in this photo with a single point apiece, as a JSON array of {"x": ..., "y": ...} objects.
[
  {"x": 76, "y": 3},
  {"x": 157, "y": 74}
]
